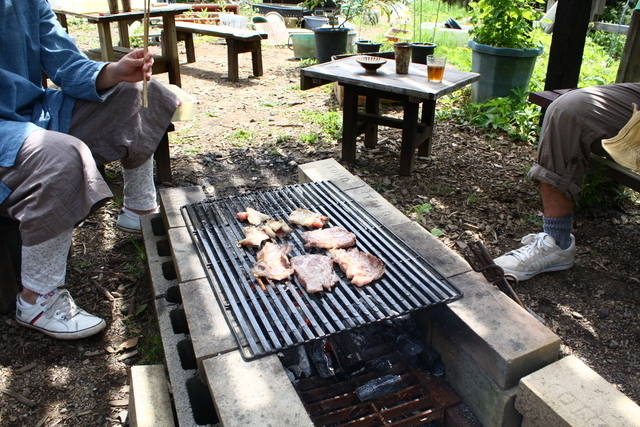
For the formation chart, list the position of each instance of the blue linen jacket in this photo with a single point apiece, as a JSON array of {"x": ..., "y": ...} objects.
[{"x": 31, "y": 40}]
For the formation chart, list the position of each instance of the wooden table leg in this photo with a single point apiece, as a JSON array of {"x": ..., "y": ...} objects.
[
  {"x": 349, "y": 123},
  {"x": 372, "y": 106},
  {"x": 409, "y": 134},
  {"x": 428, "y": 118},
  {"x": 256, "y": 57},
  {"x": 106, "y": 43},
  {"x": 170, "y": 41},
  {"x": 232, "y": 60}
]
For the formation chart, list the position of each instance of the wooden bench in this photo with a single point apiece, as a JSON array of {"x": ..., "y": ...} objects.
[
  {"x": 238, "y": 41},
  {"x": 614, "y": 171}
]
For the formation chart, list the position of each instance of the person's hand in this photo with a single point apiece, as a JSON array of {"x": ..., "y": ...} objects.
[{"x": 131, "y": 68}]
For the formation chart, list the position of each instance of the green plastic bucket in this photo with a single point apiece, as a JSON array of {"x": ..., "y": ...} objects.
[{"x": 303, "y": 45}]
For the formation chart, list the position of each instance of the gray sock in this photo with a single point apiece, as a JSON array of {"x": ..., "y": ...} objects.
[
  {"x": 139, "y": 189},
  {"x": 560, "y": 229}
]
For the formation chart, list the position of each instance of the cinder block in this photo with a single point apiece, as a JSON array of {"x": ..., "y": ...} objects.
[
  {"x": 159, "y": 282},
  {"x": 443, "y": 259},
  {"x": 569, "y": 393},
  {"x": 185, "y": 255},
  {"x": 172, "y": 199},
  {"x": 502, "y": 338},
  {"x": 245, "y": 392},
  {"x": 210, "y": 334},
  {"x": 149, "y": 402},
  {"x": 328, "y": 169},
  {"x": 490, "y": 403}
]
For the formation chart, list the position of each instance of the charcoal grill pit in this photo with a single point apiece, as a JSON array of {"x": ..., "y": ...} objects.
[{"x": 281, "y": 314}]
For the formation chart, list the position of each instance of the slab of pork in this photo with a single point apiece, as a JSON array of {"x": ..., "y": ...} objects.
[
  {"x": 253, "y": 216},
  {"x": 273, "y": 262},
  {"x": 254, "y": 236},
  {"x": 329, "y": 238},
  {"x": 315, "y": 272},
  {"x": 360, "y": 267},
  {"x": 306, "y": 218}
]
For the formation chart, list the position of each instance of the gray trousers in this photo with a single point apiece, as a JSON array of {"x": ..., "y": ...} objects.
[
  {"x": 573, "y": 127},
  {"x": 55, "y": 182}
]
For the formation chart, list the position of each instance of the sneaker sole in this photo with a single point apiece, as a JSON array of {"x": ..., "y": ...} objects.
[
  {"x": 128, "y": 230},
  {"x": 523, "y": 276},
  {"x": 67, "y": 335}
]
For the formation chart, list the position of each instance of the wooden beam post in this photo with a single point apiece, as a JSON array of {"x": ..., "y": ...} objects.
[
  {"x": 567, "y": 43},
  {"x": 629, "y": 69}
]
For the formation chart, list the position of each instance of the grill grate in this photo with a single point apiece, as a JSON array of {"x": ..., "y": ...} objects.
[{"x": 281, "y": 314}]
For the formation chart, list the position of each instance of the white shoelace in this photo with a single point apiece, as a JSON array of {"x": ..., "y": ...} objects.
[
  {"x": 533, "y": 244},
  {"x": 60, "y": 304}
]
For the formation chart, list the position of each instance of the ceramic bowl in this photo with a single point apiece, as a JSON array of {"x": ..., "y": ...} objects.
[{"x": 370, "y": 63}]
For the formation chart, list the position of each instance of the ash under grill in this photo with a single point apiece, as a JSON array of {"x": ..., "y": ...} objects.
[{"x": 281, "y": 314}]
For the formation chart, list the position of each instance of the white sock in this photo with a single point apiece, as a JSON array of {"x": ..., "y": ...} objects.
[
  {"x": 44, "y": 266},
  {"x": 139, "y": 189}
]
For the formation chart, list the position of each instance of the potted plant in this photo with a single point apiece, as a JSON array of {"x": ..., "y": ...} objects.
[
  {"x": 503, "y": 50},
  {"x": 332, "y": 39}
]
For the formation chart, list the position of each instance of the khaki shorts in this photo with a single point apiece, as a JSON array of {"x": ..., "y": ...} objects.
[{"x": 573, "y": 127}]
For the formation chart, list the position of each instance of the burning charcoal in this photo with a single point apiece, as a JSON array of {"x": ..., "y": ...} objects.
[
  {"x": 348, "y": 353},
  {"x": 297, "y": 363},
  {"x": 379, "y": 387},
  {"x": 380, "y": 365},
  {"x": 321, "y": 359},
  {"x": 405, "y": 324},
  {"x": 416, "y": 353}
]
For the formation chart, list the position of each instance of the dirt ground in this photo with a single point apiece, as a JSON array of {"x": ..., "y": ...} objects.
[{"x": 251, "y": 135}]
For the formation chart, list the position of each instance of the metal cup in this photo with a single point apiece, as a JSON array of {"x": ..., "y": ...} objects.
[{"x": 403, "y": 57}]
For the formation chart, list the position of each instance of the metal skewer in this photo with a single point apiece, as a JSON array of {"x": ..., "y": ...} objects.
[{"x": 145, "y": 43}]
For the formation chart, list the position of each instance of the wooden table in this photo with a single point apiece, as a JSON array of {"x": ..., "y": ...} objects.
[
  {"x": 411, "y": 89},
  {"x": 168, "y": 62}
]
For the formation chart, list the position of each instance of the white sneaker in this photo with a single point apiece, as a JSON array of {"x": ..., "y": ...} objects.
[
  {"x": 540, "y": 254},
  {"x": 57, "y": 315},
  {"x": 129, "y": 222}
]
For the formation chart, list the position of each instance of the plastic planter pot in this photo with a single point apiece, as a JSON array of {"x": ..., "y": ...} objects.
[
  {"x": 367, "y": 46},
  {"x": 330, "y": 42},
  {"x": 501, "y": 70},
  {"x": 420, "y": 51}
]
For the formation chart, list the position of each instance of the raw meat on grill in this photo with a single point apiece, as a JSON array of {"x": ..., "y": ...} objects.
[
  {"x": 254, "y": 236},
  {"x": 315, "y": 272},
  {"x": 306, "y": 218},
  {"x": 329, "y": 238},
  {"x": 273, "y": 262},
  {"x": 360, "y": 267},
  {"x": 253, "y": 216},
  {"x": 279, "y": 228}
]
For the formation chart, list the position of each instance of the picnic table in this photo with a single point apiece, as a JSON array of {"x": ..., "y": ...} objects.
[
  {"x": 411, "y": 89},
  {"x": 167, "y": 62}
]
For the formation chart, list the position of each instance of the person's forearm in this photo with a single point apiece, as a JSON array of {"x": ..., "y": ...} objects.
[{"x": 107, "y": 77}]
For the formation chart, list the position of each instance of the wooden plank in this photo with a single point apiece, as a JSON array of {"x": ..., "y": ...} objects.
[
  {"x": 619, "y": 173},
  {"x": 567, "y": 44},
  {"x": 629, "y": 68},
  {"x": 220, "y": 31}
]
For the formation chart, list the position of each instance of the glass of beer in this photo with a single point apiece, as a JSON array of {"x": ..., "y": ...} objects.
[{"x": 435, "y": 68}]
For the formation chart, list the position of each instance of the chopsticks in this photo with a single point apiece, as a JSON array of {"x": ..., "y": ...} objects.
[{"x": 145, "y": 43}]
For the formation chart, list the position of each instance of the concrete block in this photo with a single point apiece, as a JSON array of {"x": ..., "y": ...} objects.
[
  {"x": 502, "y": 338},
  {"x": 569, "y": 393},
  {"x": 245, "y": 392},
  {"x": 185, "y": 255},
  {"x": 156, "y": 262},
  {"x": 172, "y": 199},
  {"x": 210, "y": 334},
  {"x": 446, "y": 261},
  {"x": 149, "y": 402},
  {"x": 490, "y": 403},
  {"x": 328, "y": 169}
]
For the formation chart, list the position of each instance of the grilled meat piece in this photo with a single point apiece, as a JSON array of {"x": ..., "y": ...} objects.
[
  {"x": 329, "y": 238},
  {"x": 306, "y": 218},
  {"x": 279, "y": 227},
  {"x": 273, "y": 262},
  {"x": 315, "y": 272},
  {"x": 253, "y": 216},
  {"x": 254, "y": 236},
  {"x": 360, "y": 267}
]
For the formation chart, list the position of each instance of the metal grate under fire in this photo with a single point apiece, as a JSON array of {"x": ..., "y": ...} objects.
[{"x": 281, "y": 314}]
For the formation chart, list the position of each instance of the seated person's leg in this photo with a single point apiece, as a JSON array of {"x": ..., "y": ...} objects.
[
  {"x": 573, "y": 126},
  {"x": 121, "y": 129},
  {"x": 55, "y": 185}
]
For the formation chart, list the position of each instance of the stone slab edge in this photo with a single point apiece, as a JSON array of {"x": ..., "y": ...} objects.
[
  {"x": 245, "y": 392},
  {"x": 149, "y": 402},
  {"x": 569, "y": 393},
  {"x": 172, "y": 199},
  {"x": 159, "y": 283}
]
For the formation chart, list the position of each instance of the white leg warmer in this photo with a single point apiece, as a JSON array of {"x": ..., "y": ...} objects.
[
  {"x": 44, "y": 266},
  {"x": 139, "y": 189}
]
